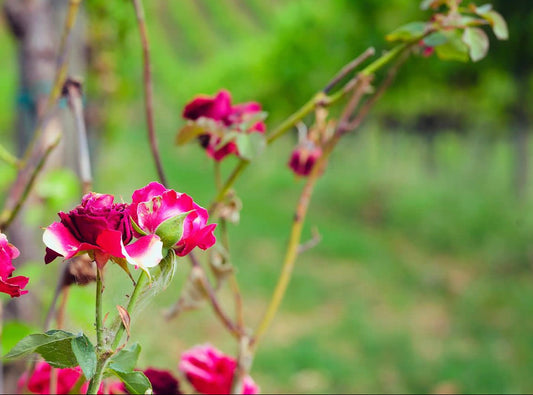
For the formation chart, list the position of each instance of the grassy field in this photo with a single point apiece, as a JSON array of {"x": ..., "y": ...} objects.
[{"x": 422, "y": 281}]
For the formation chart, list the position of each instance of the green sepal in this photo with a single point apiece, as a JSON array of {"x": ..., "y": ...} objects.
[
  {"x": 171, "y": 230},
  {"x": 250, "y": 145}
]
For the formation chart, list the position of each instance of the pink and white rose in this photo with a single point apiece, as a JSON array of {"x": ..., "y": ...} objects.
[{"x": 154, "y": 207}]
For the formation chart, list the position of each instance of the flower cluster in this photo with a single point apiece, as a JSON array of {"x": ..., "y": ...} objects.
[
  {"x": 211, "y": 372},
  {"x": 69, "y": 380},
  {"x": 13, "y": 286},
  {"x": 226, "y": 119},
  {"x": 139, "y": 233},
  {"x": 66, "y": 380}
]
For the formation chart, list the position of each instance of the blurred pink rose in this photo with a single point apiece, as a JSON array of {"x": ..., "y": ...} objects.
[
  {"x": 211, "y": 372},
  {"x": 219, "y": 108},
  {"x": 12, "y": 286},
  {"x": 39, "y": 382},
  {"x": 303, "y": 159}
]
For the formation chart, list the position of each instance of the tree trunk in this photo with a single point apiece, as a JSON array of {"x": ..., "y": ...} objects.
[{"x": 37, "y": 25}]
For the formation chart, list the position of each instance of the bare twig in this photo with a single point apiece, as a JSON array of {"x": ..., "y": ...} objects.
[
  {"x": 367, "y": 106},
  {"x": 73, "y": 91},
  {"x": 348, "y": 68},
  {"x": 217, "y": 308},
  {"x": 148, "y": 89},
  {"x": 310, "y": 243},
  {"x": 9, "y": 214}
]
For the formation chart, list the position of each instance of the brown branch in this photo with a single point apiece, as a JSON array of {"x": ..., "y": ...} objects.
[
  {"x": 348, "y": 68},
  {"x": 217, "y": 308},
  {"x": 148, "y": 89}
]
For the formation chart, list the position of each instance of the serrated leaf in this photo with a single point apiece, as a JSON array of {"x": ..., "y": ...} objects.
[
  {"x": 125, "y": 360},
  {"x": 188, "y": 133},
  {"x": 435, "y": 39},
  {"x": 85, "y": 354},
  {"x": 135, "y": 382},
  {"x": 30, "y": 343},
  {"x": 499, "y": 26},
  {"x": 407, "y": 32},
  {"x": 477, "y": 41},
  {"x": 453, "y": 49},
  {"x": 250, "y": 145},
  {"x": 171, "y": 230}
]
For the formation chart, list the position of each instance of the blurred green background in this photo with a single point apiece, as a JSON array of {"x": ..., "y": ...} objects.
[{"x": 422, "y": 281}]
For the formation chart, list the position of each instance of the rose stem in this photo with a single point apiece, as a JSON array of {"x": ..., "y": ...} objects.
[
  {"x": 234, "y": 284},
  {"x": 101, "y": 355},
  {"x": 344, "y": 126}
]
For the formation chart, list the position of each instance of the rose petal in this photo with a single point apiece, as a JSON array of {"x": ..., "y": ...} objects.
[
  {"x": 59, "y": 239},
  {"x": 147, "y": 251}
]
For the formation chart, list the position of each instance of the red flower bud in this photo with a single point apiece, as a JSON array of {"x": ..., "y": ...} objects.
[{"x": 303, "y": 159}]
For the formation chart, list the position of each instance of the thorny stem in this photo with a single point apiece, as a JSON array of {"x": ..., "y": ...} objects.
[
  {"x": 290, "y": 256},
  {"x": 234, "y": 284},
  {"x": 148, "y": 89},
  {"x": 141, "y": 282},
  {"x": 301, "y": 210},
  {"x": 348, "y": 68},
  {"x": 101, "y": 355}
]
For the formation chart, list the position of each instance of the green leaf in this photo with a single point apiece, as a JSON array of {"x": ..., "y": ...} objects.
[
  {"x": 135, "y": 382},
  {"x": 122, "y": 365},
  {"x": 435, "y": 39},
  {"x": 125, "y": 360},
  {"x": 454, "y": 48},
  {"x": 171, "y": 230},
  {"x": 477, "y": 41},
  {"x": 188, "y": 133},
  {"x": 85, "y": 354},
  {"x": 499, "y": 26},
  {"x": 407, "y": 32},
  {"x": 250, "y": 145},
  {"x": 30, "y": 343}
]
